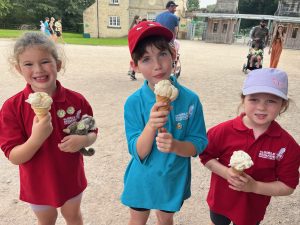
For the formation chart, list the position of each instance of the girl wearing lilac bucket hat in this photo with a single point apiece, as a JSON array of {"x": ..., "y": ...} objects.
[{"x": 243, "y": 198}]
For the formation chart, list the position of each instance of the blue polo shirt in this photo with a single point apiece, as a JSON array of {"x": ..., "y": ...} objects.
[
  {"x": 168, "y": 20},
  {"x": 161, "y": 180}
]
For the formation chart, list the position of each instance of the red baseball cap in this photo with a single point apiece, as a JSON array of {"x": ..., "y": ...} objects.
[{"x": 145, "y": 29}]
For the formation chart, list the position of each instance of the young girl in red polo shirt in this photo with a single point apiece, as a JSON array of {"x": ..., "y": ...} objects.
[
  {"x": 243, "y": 199},
  {"x": 51, "y": 168}
]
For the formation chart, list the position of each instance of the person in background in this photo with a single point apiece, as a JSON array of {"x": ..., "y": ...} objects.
[
  {"x": 52, "y": 29},
  {"x": 59, "y": 30},
  {"x": 136, "y": 20},
  {"x": 276, "y": 45},
  {"x": 47, "y": 28},
  {"x": 42, "y": 26},
  {"x": 261, "y": 34},
  {"x": 242, "y": 198},
  {"x": 51, "y": 167},
  {"x": 168, "y": 19}
]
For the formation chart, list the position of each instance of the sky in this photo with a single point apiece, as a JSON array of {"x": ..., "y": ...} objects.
[{"x": 204, "y": 3}]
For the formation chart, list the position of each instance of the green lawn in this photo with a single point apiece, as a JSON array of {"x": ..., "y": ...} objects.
[{"x": 72, "y": 38}]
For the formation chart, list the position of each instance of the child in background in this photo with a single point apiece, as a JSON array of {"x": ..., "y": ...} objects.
[
  {"x": 135, "y": 22},
  {"x": 243, "y": 199},
  {"x": 51, "y": 168},
  {"x": 46, "y": 25},
  {"x": 42, "y": 25},
  {"x": 159, "y": 173},
  {"x": 256, "y": 55},
  {"x": 59, "y": 30}
]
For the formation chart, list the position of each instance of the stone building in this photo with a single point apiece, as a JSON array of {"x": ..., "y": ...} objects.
[
  {"x": 289, "y": 8},
  {"x": 221, "y": 30},
  {"x": 112, "y": 18}
]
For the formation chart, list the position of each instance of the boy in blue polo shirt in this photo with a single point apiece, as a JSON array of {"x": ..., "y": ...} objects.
[{"x": 159, "y": 173}]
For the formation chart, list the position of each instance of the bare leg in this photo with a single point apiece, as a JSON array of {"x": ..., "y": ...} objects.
[
  {"x": 46, "y": 216},
  {"x": 71, "y": 211},
  {"x": 164, "y": 218},
  {"x": 138, "y": 217}
]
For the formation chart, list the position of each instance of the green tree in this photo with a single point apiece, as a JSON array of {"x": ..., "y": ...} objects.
[
  {"x": 261, "y": 7},
  {"x": 5, "y": 7},
  {"x": 192, "y": 5},
  {"x": 18, "y": 12}
]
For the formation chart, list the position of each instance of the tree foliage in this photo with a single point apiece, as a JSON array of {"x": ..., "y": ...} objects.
[
  {"x": 32, "y": 11},
  {"x": 192, "y": 5},
  {"x": 261, "y": 7},
  {"x": 5, "y": 8}
]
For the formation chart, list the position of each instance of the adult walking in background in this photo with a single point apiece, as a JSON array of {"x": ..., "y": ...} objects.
[
  {"x": 168, "y": 19},
  {"x": 135, "y": 21},
  {"x": 260, "y": 34},
  {"x": 276, "y": 45}
]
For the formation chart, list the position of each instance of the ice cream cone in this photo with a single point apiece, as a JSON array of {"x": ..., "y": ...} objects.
[
  {"x": 163, "y": 99},
  {"x": 40, "y": 112},
  {"x": 237, "y": 172}
]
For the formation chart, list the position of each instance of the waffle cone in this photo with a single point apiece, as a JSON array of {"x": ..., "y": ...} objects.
[
  {"x": 40, "y": 112},
  {"x": 237, "y": 172},
  {"x": 163, "y": 99}
]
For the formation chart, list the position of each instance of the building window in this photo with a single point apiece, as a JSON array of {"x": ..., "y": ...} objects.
[
  {"x": 114, "y": 2},
  {"x": 294, "y": 32},
  {"x": 215, "y": 27},
  {"x": 224, "y": 29},
  {"x": 114, "y": 21},
  {"x": 151, "y": 16}
]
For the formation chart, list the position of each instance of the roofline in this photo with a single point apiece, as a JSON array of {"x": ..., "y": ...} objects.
[{"x": 245, "y": 16}]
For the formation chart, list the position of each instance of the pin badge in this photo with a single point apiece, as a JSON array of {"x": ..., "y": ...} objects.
[
  {"x": 70, "y": 110},
  {"x": 61, "y": 113},
  {"x": 179, "y": 126}
]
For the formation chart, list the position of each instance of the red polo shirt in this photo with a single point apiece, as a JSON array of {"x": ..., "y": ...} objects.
[
  {"x": 275, "y": 154},
  {"x": 51, "y": 177}
]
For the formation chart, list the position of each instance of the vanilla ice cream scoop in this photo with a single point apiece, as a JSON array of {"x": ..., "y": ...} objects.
[
  {"x": 39, "y": 100},
  {"x": 240, "y": 160},
  {"x": 164, "y": 88}
]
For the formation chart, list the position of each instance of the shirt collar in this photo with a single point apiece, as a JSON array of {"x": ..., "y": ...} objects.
[
  {"x": 274, "y": 130},
  {"x": 58, "y": 96}
]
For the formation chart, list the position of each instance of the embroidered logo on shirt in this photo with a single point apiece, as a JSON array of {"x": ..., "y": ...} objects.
[
  {"x": 267, "y": 155},
  {"x": 280, "y": 154},
  {"x": 186, "y": 115},
  {"x": 69, "y": 120}
]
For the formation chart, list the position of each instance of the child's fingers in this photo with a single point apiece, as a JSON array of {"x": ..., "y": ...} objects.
[{"x": 157, "y": 105}]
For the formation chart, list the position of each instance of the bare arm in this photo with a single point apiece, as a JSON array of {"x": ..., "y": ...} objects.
[
  {"x": 41, "y": 130},
  {"x": 73, "y": 143},
  {"x": 214, "y": 166},
  {"x": 246, "y": 183},
  {"x": 166, "y": 143},
  {"x": 275, "y": 188},
  {"x": 176, "y": 32},
  {"x": 157, "y": 120}
]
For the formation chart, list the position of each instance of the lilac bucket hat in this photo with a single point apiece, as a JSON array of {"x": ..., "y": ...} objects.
[{"x": 266, "y": 80}]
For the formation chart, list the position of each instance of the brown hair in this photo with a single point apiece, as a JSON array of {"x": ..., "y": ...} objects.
[{"x": 158, "y": 41}]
